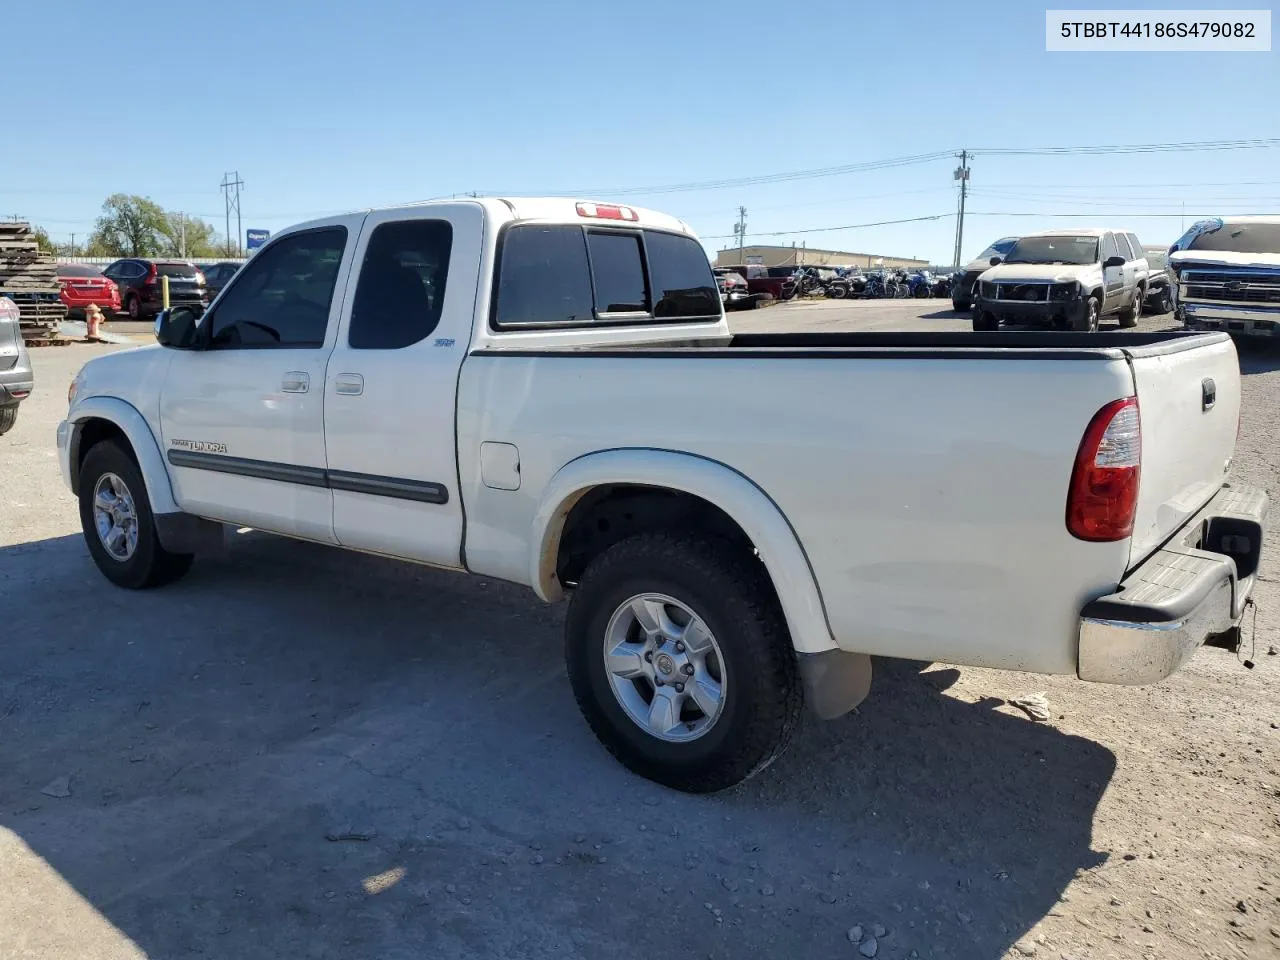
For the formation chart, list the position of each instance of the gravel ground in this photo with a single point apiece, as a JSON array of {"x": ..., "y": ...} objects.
[{"x": 298, "y": 751}]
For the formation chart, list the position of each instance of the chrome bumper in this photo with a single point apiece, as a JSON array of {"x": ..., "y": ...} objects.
[
  {"x": 1258, "y": 321},
  {"x": 1193, "y": 588}
]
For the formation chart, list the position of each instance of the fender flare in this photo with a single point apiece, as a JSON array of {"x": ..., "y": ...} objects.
[
  {"x": 138, "y": 432},
  {"x": 749, "y": 506}
]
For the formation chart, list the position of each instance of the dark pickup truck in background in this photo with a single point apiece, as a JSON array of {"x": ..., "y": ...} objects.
[{"x": 761, "y": 279}]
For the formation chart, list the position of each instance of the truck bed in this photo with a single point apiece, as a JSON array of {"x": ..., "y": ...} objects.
[{"x": 925, "y": 474}]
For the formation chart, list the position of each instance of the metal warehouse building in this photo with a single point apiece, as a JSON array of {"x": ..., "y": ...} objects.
[{"x": 811, "y": 257}]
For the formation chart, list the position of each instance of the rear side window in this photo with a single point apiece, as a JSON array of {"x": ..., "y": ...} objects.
[
  {"x": 544, "y": 277},
  {"x": 681, "y": 277},
  {"x": 1138, "y": 252},
  {"x": 568, "y": 275},
  {"x": 617, "y": 268},
  {"x": 400, "y": 293}
]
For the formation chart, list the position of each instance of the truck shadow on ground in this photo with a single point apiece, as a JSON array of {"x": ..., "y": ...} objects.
[{"x": 298, "y": 751}]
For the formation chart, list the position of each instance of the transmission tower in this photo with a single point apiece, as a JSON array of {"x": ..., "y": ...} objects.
[{"x": 231, "y": 184}]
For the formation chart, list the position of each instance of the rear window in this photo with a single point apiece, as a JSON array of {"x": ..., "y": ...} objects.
[
  {"x": 562, "y": 275},
  {"x": 681, "y": 277},
  {"x": 617, "y": 267},
  {"x": 78, "y": 270},
  {"x": 180, "y": 270}
]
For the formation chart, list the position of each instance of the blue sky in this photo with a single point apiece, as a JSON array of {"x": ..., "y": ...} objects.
[{"x": 323, "y": 107}]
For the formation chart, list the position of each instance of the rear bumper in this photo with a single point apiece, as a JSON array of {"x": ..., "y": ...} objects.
[
  {"x": 1192, "y": 589},
  {"x": 1252, "y": 321}
]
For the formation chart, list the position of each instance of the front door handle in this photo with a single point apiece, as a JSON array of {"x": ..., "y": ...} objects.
[
  {"x": 296, "y": 381},
  {"x": 349, "y": 384}
]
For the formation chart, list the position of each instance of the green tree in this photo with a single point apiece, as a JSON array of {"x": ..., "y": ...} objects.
[
  {"x": 130, "y": 226},
  {"x": 42, "y": 240},
  {"x": 198, "y": 238}
]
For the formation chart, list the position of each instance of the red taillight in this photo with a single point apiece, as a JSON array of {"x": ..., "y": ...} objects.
[
  {"x": 1103, "y": 497},
  {"x": 606, "y": 211},
  {"x": 153, "y": 277}
]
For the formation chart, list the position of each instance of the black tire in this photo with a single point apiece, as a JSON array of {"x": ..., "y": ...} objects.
[
  {"x": 985, "y": 322},
  {"x": 1129, "y": 318},
  {"x": 732, "y": 595},
  {"x": 8, "y": 417},
  {"x": 150, "y": 564},
  {"x": 1166, "y": 301},
  {"x": 1087, "y": 322},
  {"x": 133, "y": 307}
]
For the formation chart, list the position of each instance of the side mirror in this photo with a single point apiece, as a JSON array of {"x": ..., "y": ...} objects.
[
  {"x": 996, "y": 261},
  {"x": 178, "y": 327},
  {"x": 1113, "y": 262}
]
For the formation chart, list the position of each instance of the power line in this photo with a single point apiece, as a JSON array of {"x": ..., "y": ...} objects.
[
  {"x": 1127, "y": 213},
  {"x": 1186, "y": 147},
  {"x": 847, "y": 226}
]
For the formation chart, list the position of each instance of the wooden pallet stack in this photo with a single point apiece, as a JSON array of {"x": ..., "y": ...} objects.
[{"x": 30, "y": 279}]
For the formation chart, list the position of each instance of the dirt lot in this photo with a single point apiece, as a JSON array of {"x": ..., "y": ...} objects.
[{"x": 300, "y": 752}]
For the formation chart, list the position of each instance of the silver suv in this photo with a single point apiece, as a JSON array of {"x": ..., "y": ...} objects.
[{"x": 16, "y": 379}]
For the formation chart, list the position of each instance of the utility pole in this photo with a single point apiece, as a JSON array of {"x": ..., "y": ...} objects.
[
  {"x": 231, "y": 188},
  {"x": 73, "y": 245},
  {"x": 182, "y": 234},
  {"x": 961, "y": 174},
  {"x": 740, "y": 228}
]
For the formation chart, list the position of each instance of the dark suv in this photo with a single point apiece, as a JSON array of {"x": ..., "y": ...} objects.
[{"x": 140, "y": 284}]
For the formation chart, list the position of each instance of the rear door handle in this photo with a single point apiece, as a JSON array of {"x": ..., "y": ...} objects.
[
  {"x": 349, "y": 384},
  {"x": 296, "y": 381}
]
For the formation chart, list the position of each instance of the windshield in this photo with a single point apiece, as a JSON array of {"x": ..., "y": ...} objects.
[
  {"x": 1239, "y": 238},
  {"x": 1064, "y": 249},
  {"x": 997, "y": 249}
]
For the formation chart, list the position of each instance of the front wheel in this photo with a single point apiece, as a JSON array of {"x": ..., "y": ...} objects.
[
  {"x": 681, "y": 662},
  {"x": 119, "y": 527},
  {"x": 1087, "y": 321},
  {"x": 1130, "y": 317}
]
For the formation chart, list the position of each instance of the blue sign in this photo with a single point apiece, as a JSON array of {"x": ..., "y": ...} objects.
[{"x": 256, "y": 238}]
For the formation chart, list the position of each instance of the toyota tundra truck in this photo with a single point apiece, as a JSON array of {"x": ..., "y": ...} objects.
[{"x": 546, "y": 391}]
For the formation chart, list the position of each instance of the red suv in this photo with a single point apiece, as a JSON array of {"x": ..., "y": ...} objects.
[
  {"x": 83, "y": 285},
  {"x": 140, "y": 285}
]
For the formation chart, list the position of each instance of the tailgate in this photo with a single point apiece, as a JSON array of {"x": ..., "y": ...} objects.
[{"x": 1189, "y": 404}]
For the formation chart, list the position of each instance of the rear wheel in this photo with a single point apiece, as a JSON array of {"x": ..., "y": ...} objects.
[
  {"x": 1087, "y": 322},
  {"x": 8, "y": 417},
  {"x": 133, "y": 306},
  {"x": 119, "y": 527},
  {"x": 681, "y": 662}
]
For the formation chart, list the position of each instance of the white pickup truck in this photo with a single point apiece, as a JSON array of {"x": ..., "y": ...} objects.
[{"x": 546, "y": 392}]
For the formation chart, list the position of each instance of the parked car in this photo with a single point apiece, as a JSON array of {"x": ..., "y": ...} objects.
[
  {"x": 217, "y": 275},
  {"x": 82, "y": 285},
  {"x": 962, "y": 282},
  {"x": 762, "y": 280},
  {"x": 1227, "y": 272},
  {"x": 140, "y": 284},
  {"x": 553, "y": 398},
  {"x": 942, "y": 285},
  {"x": 1070, "y": 279},
  {"x": 16, "y": 377}
]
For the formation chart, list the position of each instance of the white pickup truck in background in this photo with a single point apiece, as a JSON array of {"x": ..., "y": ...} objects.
[
  {"x": 1227, "y": 272},
  {"x": 546, "y": 392}
]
